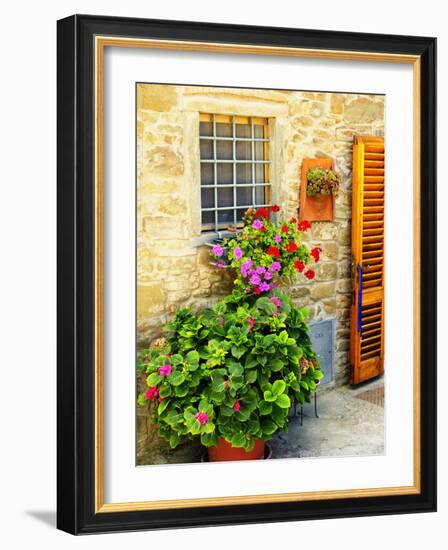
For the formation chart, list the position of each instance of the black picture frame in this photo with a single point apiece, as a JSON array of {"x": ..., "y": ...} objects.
[{"x": 76, "y": 272}]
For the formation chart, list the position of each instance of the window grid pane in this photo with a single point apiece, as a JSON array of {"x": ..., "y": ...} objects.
[{"x": 235, "y": 172}]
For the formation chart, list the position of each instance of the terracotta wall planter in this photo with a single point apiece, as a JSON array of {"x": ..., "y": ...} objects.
[{"x": 321, "y": 207}]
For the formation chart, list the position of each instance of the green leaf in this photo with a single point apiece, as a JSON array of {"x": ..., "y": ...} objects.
[
  {"x": 276, "y": 365},
  {"x": 209, "y": 439},
  {"x": 251, "y": 362},
  {"x": 278, "y": 387},
  {"x": 141, "y": 400},
  {"x": 304, "y": 384},
  {"x": 269, "y": 396},
  {"x": 238, "y": 352},
  {"x": 238, "y": 440},
  {"x": 251, "y": 376},
  {"x": 174, "y": 440},
  {"x": 176, "y": 359},
  {"x": 264, "y": 408},
  {"x": 162, "y": 406},
  {"x": 192, "y": 357},
  {"x": 268, "y": 427},
  {"x": 164, "y": 390},
  {"x": 283, "y": 401},
  {"x": 176, "y": 378},
  {"x": 182, "y": 390},
  {"x": 262, "y": 359},
  {"x": 235, "y": 369},
  {"x": 268, "y": 340},
  {"x": 318, "y": 375},
  {"x": 153, "y": 379}
]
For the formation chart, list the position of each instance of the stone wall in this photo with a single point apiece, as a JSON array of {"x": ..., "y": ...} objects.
[{"x": 173, "y": 268}]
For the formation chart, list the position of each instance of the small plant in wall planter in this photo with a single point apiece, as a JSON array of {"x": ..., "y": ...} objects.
[{"x": 322, "y": 182}]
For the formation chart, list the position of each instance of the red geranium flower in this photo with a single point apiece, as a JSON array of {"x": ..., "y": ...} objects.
[
  {"x": 292, "y": 247},
  {"x": 293, "y": 220},
  {"x": 274, "y": 208},
  {"x": 257, "y": 290},
  {"x": 310, "y": 274},
  {"x": 262, "y": 213},
  {"x": 263, "y": 229},
  {"x": 299, "y": 265},
  {"x": 315, "y": 253},
  {"x": 304, "y": 225},
  {"x": 274, "y": 251},
  {"x": 284, "y": 229}
]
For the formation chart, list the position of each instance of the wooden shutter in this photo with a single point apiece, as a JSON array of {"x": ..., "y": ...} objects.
[{"x": 367, "y": 309}]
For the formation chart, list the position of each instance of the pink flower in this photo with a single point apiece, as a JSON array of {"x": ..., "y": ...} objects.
[
  {"x": 218, "y": 250},
  {"x": 251, "y": 323},
  {"x": 257, "y": 224},
  {"x": 221, "y": 321},
  {"x": 238, "y": 253},
  {"x": 245, "y": 267},
  {"x": 268, "y": 276},
  {"x": 260, "y": 270},
  {"x": 202, "y": 417},
  {"x": 220, "y": 263},
  {"x": 165, "y": 370},
  {"x": 254, "y": 280},
  {"x": 278, "y": 239},
  {"x": 276, "y": 266},
  {"x": 264, "y": 287},
  {"x": 236, "y": 406},
  {"x": 276, "y": 314},
  {"x": 151, "y": 393},
  {"x": 275, "y": 301},
  {"x": 226, "y": 384}
]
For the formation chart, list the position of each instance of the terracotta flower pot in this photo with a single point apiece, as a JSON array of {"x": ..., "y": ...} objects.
[{"x": 224, "y": 451}]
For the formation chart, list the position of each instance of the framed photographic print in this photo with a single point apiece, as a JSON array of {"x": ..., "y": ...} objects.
[{"x": 246, "y": 267}]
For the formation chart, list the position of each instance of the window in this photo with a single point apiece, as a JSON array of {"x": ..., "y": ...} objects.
[{"x": 235, "y": 168}]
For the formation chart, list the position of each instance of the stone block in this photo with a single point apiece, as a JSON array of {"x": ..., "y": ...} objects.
[
  {"x": 362, "y": 110},
  {"x": 156, "y": 97},
  {"x": 322, "y": 290},
  {"x": 327, "y": 271},
  {"x": 150, "y": 299},
  {"x": 164, "y": 161}
]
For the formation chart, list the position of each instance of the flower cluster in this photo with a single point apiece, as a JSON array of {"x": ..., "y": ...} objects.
[{"x": 266, "y": 250}]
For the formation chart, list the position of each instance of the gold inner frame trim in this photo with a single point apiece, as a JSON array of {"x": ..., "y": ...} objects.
[{"x": 101, "y": 42}]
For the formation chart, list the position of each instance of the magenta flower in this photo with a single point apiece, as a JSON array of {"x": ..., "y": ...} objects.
[
  {"x": 260, "y": 270},
  {"x": 237, "y": 252},
  {"x": 276, "y": 314},
  {"x": 264, "y": 287},
  {"x": 276, "y": 266},
  {"x": 151, "y": 393},
  {"x": 245, "y": 267},
  {"x": 278, "y": 239},
  {"x": 218, "y": 250},
  {"x": 165, "y": 370},
  {"x": 275, "y": 301},
  {"x": 237, "y": 406},
  {"x": 254, "y": 280},
  {"x": 268, "y": 276},
  {"x": 202, "y": 417},
  {"x": 257, "y": 224},
  {"x": 220, "y": 263}
]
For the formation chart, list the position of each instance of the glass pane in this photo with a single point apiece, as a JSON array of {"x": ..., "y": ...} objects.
[
  {"x": 206, "y": 149},
  {"x": 208, "y": 218},
  {"x": 207, "y": 173},
  {"x": 243, "y": 130},
  {"x": 224, "y": 129},
  {"x": 259, "y": 173},
  {"x": 239, "y": 214},
  {"x": 244, "y": 196},
  {"x": 260, "y": 195},
  {"x": 259, "y": 130},
  {"x": 207, "y": 198},
  {"x": 225, "y": 217},
  {"x": 243, "y": 173},
  {"x": 259, "y": 150},
  {"x": 244, "y": 150},
  {"x": 224, "y": 150},
  {"x": 206, "y": 128},
  {"x": 225, "y": 196},
  {"x": 225, "y": 173}
]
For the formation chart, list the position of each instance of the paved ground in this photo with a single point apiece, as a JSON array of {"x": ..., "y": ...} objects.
[{"x": 350, "y": 423}]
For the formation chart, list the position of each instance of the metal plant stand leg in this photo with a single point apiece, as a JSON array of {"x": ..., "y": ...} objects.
[
  {"x": 315, "y": 405},
  {"x": 301, "y": 415}
]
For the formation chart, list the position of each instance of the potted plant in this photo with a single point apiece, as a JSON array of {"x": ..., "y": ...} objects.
[{"x": 227, "y": 375}]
